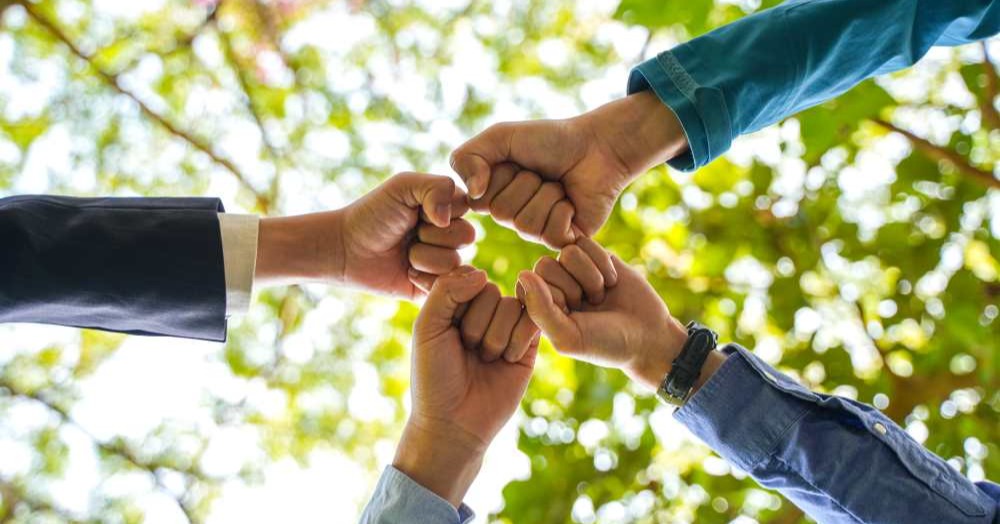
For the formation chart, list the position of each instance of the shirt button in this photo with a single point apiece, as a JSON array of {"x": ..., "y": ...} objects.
[{"x": 880, "y": 428}]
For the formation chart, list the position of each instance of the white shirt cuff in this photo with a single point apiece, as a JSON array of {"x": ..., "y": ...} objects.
[{"x": 239, "y": 253}]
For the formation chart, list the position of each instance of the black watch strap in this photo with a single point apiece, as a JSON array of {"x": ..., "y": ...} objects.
[{"x": 686, "y": 368}]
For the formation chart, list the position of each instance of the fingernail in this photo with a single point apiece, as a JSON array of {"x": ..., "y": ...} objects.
[
  {"x": 509, "y": 358},
  {"x": 465, "y": 270},
  {"x": 443, "y": 211},
  {"x": 519, "y": 291},
  {"x": 412, "y": 272},
  {"x": 477, "y": 186}
]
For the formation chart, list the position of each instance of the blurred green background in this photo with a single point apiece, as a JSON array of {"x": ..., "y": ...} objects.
[{"x": 854, "y": 246}]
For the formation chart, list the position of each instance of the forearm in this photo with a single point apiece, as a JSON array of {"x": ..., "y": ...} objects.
[
  {"x": 428, "y": 479},
  {"x": 837, "y": 459},
  {"x": 445, "y": 462},
  {"x": 300, "y": 249},
  {"x": 641, "y": 130},
  {"x": 768, "y": 66}
]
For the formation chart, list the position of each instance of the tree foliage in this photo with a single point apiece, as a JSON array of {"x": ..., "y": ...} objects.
[{"x": 854, "y": 245}]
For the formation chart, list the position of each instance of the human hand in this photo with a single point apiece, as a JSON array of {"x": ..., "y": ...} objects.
[
  {"x": 627, "y": 326},
  {"x": 460, "y": 401},
  {"x": 404, "y": 231},
  {"x": 593, "y": 157}
]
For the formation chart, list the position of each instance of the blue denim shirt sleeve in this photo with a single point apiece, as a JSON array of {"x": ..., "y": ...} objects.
[
  {"x": 837, "y": 459},
  {"x": 400, "y": 500},
  {"x": 775, "y": 63}
]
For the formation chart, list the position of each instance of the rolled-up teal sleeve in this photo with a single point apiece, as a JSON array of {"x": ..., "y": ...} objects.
[{"x": 775, "y": 63}]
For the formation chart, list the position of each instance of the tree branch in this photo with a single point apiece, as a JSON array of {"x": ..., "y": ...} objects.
[
  {"x": 987, "y": 106},
  {"x": 938, "y": 153},
  {"x": 14, "y": 495},
  {"x": 277, "y": 157},
  {"x": 116, "y": 449},
  {"x": 114, "y": 82}
]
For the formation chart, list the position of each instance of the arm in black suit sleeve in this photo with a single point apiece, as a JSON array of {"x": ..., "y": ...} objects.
[{"x": 147, "y": 266}]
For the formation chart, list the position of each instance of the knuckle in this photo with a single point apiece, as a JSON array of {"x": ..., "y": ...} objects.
[
  {"x": 445, "y": 183},
  {"x": 501, "y": 209},
  {"x": 523, "y": 222},
  {"x": 570, "y": 252},
  {"x": 470, "y": 334},
  {"x": 501, "y": 128},
  {"x": 553, "y": 188},
  {"x": 450, "y": 262},
  {"x": 492, "y": 289},
  {"x": 492, "y": 345},
  {"x": 544, "y": 264},
  {"x": 415, "y": 252},
  {"x": 528, "y": 177},
  {"x": 553, "y": 239}
]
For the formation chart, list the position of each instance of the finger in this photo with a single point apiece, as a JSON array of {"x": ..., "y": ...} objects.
[
  {"x": 501, "y": 327},
  {"x": 446, "y": 295},
  {"x": 556, "y": 324},
  {"x": 459, "y": 205},
  {"x": 557, "y": 276},
  {"x": 473, "y": 159},
  {"x": 531, "y": 219},
  {"x": 433, "y": 259},
  {"x": 420, "y": 280},
  {"x": 477, "y": 318},
  {"x": 559, "y": 298},
  {"x": 499, "y": 178},
  {"x": 601, "y": 258},
  {"x": 529, "y": 357},
  {"x": 431, "y": 193},
  {"x": 521, "y": 338},
  {"x": 458, "y": 234},
  {"x": 559, "y": 227},
  {"x": 575, "y": 260},
  {"x": 509, "y": 202}
]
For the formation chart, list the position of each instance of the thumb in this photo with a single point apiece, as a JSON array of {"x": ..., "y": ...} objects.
[
  {"x": 546, "y": 314},
  {"x": 447, "y": 294},
  {"x": 432, "y": 193},
  {"x": 474, "y": 159}
]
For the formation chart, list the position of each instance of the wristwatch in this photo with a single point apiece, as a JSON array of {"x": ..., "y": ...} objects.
[{"x": 685, "y": 369}]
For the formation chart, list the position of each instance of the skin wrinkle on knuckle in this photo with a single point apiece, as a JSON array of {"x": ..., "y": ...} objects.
[{"x": 476, "y": 320}]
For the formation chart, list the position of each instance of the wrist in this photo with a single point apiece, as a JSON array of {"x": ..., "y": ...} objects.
[
  {"x": 654, "y": 360},
  {"x": 439, "y": 457},
  {"x": 298, "y": 249},
  {"x": 640, "y": 130}
]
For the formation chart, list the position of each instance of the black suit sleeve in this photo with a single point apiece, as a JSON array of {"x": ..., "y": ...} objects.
[{"x": 145, "y": 266}]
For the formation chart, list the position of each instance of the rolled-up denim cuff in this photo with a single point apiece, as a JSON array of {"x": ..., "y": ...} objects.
[{"x": 701, "y": 110}]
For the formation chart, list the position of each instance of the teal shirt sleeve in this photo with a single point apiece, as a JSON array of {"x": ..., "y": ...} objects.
[{"x": 770, "y": 65}]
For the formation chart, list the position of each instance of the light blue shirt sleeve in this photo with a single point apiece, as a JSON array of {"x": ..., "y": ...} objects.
[
  {"x": 400, "y": 500},
  {"x": 837, "y": 459},
  {"x": 775, "y": 63}
]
